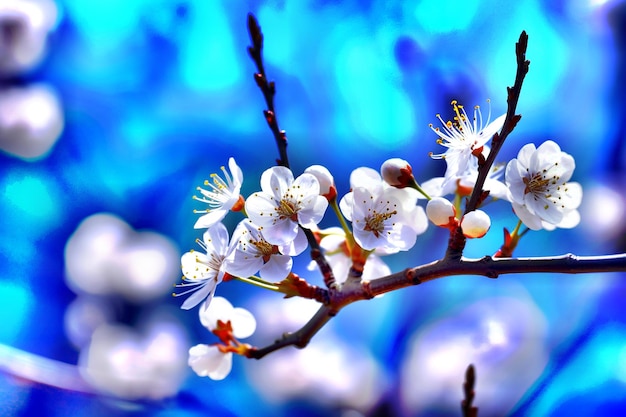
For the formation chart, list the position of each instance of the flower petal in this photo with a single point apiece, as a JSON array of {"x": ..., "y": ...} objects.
[{"x": 243, "y": 322}]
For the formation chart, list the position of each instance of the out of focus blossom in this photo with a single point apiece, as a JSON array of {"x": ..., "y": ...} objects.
[
  {"x": 24, "y": 27},
  {"x": 105, "y": 256},
  {"x": 146, "y": 363},
  {"x": 31, "y": 120}
]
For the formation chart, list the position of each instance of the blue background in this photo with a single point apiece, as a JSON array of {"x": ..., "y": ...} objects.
[{"x": 158, "y": 94}]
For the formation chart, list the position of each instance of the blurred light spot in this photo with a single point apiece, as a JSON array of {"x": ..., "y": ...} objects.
[
  {"x": 327, "y": 371},
  {"x": 208, "y": 58},
  {"x": 441, "y": 16},
  {"x": 31, "y": 196},
  {"x": 500, "y": 336},
  {"x": 83, "y": 316},
  {"x": 135, "y": 364},
  {"x": 549, "y": 59},
  {"x": 37, "y": 369},
  {"x": 598, "y": 360},
  {"x": 31, "y": 120},
  {"x": 24, "y": 26},
  {"x": 105, "y": 256},
  {"x": 603, "y": 212},
  {"x": 17, "y": 301},
  {"x": 105, "y": 23},
  {"x": 289, "y": 314},
  {"x": 379, "y": 108},
  {"x": 496, "y": 334}
]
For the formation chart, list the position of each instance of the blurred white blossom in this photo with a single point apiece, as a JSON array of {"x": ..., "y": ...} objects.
[
  {"x": 24, "y": 27},
  {"x": 31, "y": 120}
]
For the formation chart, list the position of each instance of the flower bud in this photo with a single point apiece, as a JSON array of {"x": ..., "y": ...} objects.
[
  {"x": 325, "y": 178},
  {"x": 397, "y": 172},
  {"x": 441, "y": 212},
  {"x": 475, "y": 224}
]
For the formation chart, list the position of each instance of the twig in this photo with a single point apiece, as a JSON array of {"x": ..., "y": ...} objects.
[
  {"x": 468, "y": 393},
  {"x": 300, "y": 338},
  {"x": 268, "y": 89}
]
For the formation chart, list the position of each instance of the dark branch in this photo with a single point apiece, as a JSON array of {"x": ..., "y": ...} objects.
[
  {"x": 268, "y": 89},
  {"x": 486, "y": 266},
  {"x": 497, "y": 141},
  {"x": 468, "y": 393},
  {"x": 300, "y": 338}
]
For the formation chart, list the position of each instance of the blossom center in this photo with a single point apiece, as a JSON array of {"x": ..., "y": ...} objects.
[
  {"x": 540, "y": 182},
  {"x": 375, "y": 222},
  {"x": 265, "y": 248},
  {"x": 287, "y": 209}
]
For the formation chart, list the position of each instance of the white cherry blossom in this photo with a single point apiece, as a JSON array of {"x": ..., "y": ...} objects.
[
  {"x": 284, "y": 203},
  {"x": 206, "y": 360},
  {"x": 203, "y": 271},
  {"x": 229, "y": 324},
  {"x": 221, "y": 195},
  {"x": 336, "y": 251},
  {"x": 463, "y": 183},
  {"x": 383, "y": 217},
  {"x": 463, "y": 137},
  {"x": 541, "y": 193},
  {"x": 254, "y": 254}
]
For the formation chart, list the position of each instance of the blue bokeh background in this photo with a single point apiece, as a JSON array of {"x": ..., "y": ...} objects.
[{"x": 158, "y": 94}]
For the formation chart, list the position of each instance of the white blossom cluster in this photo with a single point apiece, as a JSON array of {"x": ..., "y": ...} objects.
[
  {"x": 380, "y": 215},
  {"x": 536, "y": 182}
]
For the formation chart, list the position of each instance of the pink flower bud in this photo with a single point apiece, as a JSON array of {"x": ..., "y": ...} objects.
[
  {"x": 397, "y": 172},
  {"x": 441, "y": 212},
  {"x": 325, "y": 178},
  {"x": 475, "y": 224}
]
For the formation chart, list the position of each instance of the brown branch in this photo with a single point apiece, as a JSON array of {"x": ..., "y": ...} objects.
[
  {"x": 268, "y": 89},
  {"x": 468, "y": 393},
  {"x": 300, "y": 338},
  {"x": 510, "y": 121},
  {"x": 487, "y": 266}
]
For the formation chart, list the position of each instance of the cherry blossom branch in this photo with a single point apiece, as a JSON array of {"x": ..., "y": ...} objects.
[
  {"x": 457, "y": 240},
  {"x": 487, "y": 266},
  {"x": 268, "y": 89}
]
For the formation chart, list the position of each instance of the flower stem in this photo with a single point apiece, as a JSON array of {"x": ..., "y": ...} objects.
[
  {"x": 342, "y": 221},
  {"x": 259, "y": 282},
  {"x": 417, "y": 187}
]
